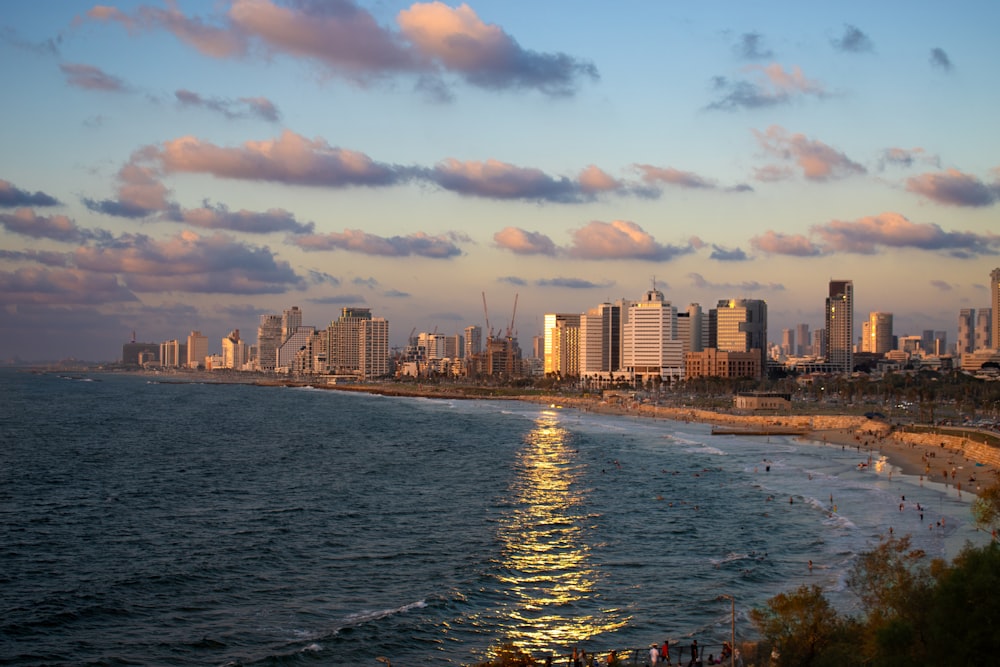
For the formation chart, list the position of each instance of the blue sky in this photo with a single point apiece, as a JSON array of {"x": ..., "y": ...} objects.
[{"x": 169, "y": 166}]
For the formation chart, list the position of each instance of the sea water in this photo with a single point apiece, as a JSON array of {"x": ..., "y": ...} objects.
[{"x": 145, "y": 521}]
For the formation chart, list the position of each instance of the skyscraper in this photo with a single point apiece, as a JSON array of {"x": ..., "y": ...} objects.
[
  {"x": 650, "y": 347},
  {"x": 562, "y": 344},
  {"x": 802, "y": 338},
  {"x": 840, "y": 325},
  {"x": 966, "y": 331},
  {"x": 984, "y": 332},
  {"x": 995, "y": 304},
  {"x": 473, "y": 341},
  {"x": 268, "y": 342},
  {"x": 291, "y": 320},
  {"x": 358, "y": 344},
  {"x": 741, "y": 326},
  {"x": 876, "y": 333},
  {"x": 197, "y": 349}
]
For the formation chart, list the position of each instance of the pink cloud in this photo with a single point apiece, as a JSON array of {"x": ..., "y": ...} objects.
[
  {"x": 500, "y": 180},
  {"x": 89, "y": 77},
  {"x": 356, "y": 240},
  {"x": 777, "y": 243},
  {"x": 954, "y": 188},
  {"x": 686, "y": 179},
  {"x": 868, "y": 235},
  {"x": 217, "y": 42},
  {"x": 522, "y": 242},
  {"x": 26, "y": 222},
  {"x": 620, "y": 239},
  {"x": 291, "y": 158},
  {"x": 793, "y": 81},
  {"x": 35, "y": 285},
  {"x": 818, "y": 161},
  {"x": 594, "y": 179}
]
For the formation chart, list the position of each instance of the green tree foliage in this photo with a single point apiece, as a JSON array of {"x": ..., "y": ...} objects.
[
  {"x": 804, "y": 629},
  {"x": 964, "y": 609},
  {"x": 986, "y": 508}
]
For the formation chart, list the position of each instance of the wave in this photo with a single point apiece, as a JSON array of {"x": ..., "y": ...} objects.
[{"x": 362, "y": 617}]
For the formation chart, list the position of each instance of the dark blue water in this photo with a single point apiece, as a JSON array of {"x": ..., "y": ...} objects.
[{"x": 192, "y": 524}]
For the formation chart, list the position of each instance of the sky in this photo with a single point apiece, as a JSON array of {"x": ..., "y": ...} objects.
[{"x": 176, "y": 166}]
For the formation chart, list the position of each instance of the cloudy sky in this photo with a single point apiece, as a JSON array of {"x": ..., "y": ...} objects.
[{"x": 169, "y": 166}]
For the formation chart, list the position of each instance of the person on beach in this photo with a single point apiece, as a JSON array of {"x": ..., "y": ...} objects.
[
  {"x": 665, "y": 649},
  {"x": 695, "y": 660},
  {"x": 654, "y": 655}
]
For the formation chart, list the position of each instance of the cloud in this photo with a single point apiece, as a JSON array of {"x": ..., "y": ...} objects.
[
  {"x": 522, "y": 242},
  {"x": 217, "y": 42},
  {"x": 220, "y": 217},
  {"x": 396, "y": 294},
  {"x": 941, "y": 285},
  {"x": 26, "y": 222},
  {"x": 871, "y": 234},
  {"x": 290, "y": 159},
  {"x": 322, "y": 278},
  {"x": 356, "y": 240},
  {"x": 48, "y": 47},
  {"x": 190, "y": 262},
  {"x": 818, "y": 161},
  {"x": 484, "y": 55},
  {"x": 750, "y": 47},
  {"x": 773, "y": 85},
  {"x": 621, "y": 239},
  {"x": 498, "y": 180},
  {"x": 11, "y": 196},
  {"x": 346, "y": 40},
  {"x": 573, "y": 283},
  {"x": 243, "y": 107},
  {"x": 337, "y": 299},
  {"x": 512, "y": 280},
  {"x": 853, "y": 40},
  {"x": 954, "y": 188},
  {"x": 906, "y": 157},
  {"x": 747, "y": 286},
  {"x": 71, "y": 287},
  {"x": 777, "y": 243},
  {"x": 140, "y": 192},
  {"x": 593, "y": 179},
  {"x": 368, "y": 282},
  {"x": 727, "y": 255},
  {"x": 940, "y": 59},
  {"x": 669, "y": 175},
  {"x": 89, "y": 77}
]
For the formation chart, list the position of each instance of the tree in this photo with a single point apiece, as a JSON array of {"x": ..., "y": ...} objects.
[
  {"x": 804, "y": 629},
  {"x": 964, "y": 610},
  {"x": 986, "y": 508}
]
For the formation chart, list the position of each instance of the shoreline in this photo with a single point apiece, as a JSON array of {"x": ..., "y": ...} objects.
[{"x": 949, "y": 459}]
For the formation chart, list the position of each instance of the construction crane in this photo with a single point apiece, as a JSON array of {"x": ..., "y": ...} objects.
[
  {"x": 486, "y": 313},
  {"x": 510, "y": 329}
]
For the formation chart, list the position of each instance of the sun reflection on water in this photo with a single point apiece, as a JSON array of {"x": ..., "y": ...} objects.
[{"x": 546, "y": 571}]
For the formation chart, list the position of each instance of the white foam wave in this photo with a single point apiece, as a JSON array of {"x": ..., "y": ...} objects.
[{"x": 362, "y": 617}]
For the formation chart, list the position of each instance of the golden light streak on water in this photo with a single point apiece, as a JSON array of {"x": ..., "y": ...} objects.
[{"x": 547, "y": 567}]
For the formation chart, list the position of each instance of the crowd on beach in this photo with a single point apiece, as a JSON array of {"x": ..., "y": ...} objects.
[{"x": 657, "y": 656}]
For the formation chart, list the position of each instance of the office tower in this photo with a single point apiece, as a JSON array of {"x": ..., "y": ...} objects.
[
  {"x": 788, "y": 342},
  {"x": 268, "y": 341},
  {"x": 433, "y": 343},
  {"x": 966, "y": 331},
  {"x": 170, "y": 353},
  {"x": 650, "y": 348},
  {"x": 819, "y": 343},
  {"x": 291, "y": 320},
  {"x": 358, "y": 344},
  {"x": 562, "y": 344},
  {"x": 698, "y": 327},
  {"x": 840, "y": 325},
  {"x": 984, "y": 331},
  {"x": 802, "y": 337},
  {"x": 234, "y": 351},
  {"x": 538, "y": 347},
  {"x": 741, "y": 326},
  {"x": 995, "y": 305},
  {"x": 940, "y": 342},
  {"x": 289, "y": 350},
  {"x": 876, "y": 333},
  {"x": 197, "y": 349},
  {"x": 927, "y": 341},
  {"x": 473, "y": 340}
]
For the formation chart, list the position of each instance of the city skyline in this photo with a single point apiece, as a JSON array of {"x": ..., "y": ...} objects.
[{"x": 169, "y": 167}]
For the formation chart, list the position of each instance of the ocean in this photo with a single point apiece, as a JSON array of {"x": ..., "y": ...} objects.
[{"x": 144, "y": 521}]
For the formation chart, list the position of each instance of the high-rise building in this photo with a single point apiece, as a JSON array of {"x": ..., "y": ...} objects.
[
  {"x": 288, "y": 351},
  {"x": 819, "y": 343},
  {"x": 358, "y": 344},
  {"x": 473, "y": 341},
  {"x": 984, "y": 329},
  {"x": 966, "y": 331},
  {"x": 197, "y": 349},
  {"x": 802, "y": 336},
  {"x": 268, "y": 341},
  {"x": 741, "y": 326},
  {"x": 650, "y": 347},
  {"x": 876, "y": 333},
  {"x": 562, "y": 344},
  {"x": 172, "y": 353},
  {"x": 291, "y": 320},
  {"x": 840, "y": 325},
  {"x": 995, "y": 305},
  {"x": 788, "y": 342},
  {"x": 234, "y": 351}
]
